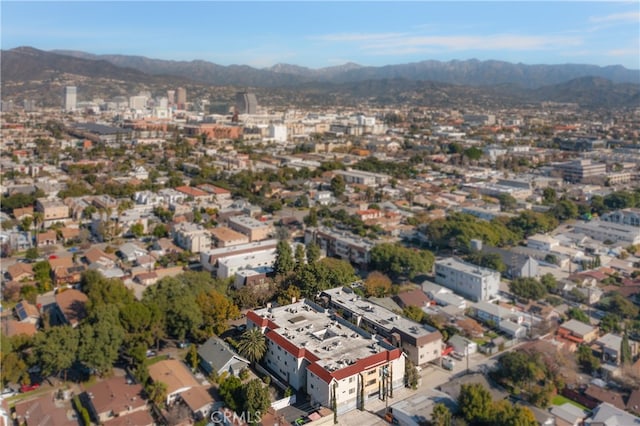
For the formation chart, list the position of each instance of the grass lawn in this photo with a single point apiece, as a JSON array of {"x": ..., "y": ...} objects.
[{"x": 559, "y": 400}]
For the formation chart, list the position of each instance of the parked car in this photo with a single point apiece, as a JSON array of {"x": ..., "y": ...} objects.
[
  {"x": 151, "y": 353},
  {"x": 448, "y": 363},
  {"x": 29, "y": 388},
  {"x": 184, "y": 344}
]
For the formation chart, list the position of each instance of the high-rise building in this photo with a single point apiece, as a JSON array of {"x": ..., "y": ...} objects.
[
  {"x": 182, "y": 97},
  {"x": 70, "y": 98},
  {"x": 246, "y": 103},
  {"x": 171, "y": 96}
]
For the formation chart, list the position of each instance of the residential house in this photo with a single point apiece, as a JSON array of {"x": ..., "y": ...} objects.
[
  {"x": 69, "y": 234},
  {"x": 507, "y": 320},
  {"x": 130, "y": 252},
  {"x": 70, "y": 305},
  {"x": 341, "y": 244},
  {"x": 608, "y": 346},
  {"x": 577, "y": 331},
  {"x": 199, "y": 401},
  {"x": 518, "y": 265},
  {"x": 114, "y": 397},
  {"x": 633, "y": 403},
  {"x": 26, "y": 312},
  {"x": 20, "y": 272},
  {"x": 443, "y": 296},
  {"x": 47, "y": 238},
  {"x": 216, "y": 357},
  {"x": 11, "y": 327},
  {"x": 146, "y": 262},
  {"x": 568, "y": 414},
  {"x": 138, "y": 418},
  {"x": 415, "y": 297},
  {"x": 607, "y": 414},
  {"x": 96, "y": 256},
  {"x": 196, "y": 194},
  {"x": 43, "y": 410},
  {"x": 175, "y": 374},
  {"x": 599, "y": 395},
  {"x": 146, "y": 278}
]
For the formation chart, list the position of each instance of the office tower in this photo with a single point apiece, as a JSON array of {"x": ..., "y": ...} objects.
[
  {"x": 246, "y": 103},
  {"x": 171, "y": 96},
  {"x": 182, "y": 97},
  {"x": 70, "y": 98}
]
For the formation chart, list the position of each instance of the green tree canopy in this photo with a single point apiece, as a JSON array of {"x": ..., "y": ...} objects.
[
  {"x": 252, "y": 345},
  {"x": 475, "y": 403},
  {"x": 396, "y": 260},
  {"x": 56, "y": 349}
]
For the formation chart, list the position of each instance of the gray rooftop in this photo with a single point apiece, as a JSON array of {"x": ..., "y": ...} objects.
[{"x": 337, "y": 342}]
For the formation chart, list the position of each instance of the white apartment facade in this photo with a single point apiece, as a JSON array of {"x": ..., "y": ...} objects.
[{"x": 466, "y": 279}]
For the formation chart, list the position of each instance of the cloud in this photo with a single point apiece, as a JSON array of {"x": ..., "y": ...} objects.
[
  {"x": 623, "y": 52},
  {"x": 617, "y": 17},
  {"x": 404, "y": 43}
]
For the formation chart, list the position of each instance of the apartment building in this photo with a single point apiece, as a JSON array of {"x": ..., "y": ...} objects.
[
  {"x": 420, "y": 343},
  {"x": 191, "y": 237},
  {"x": 210, "y": 259},
  {"x": 629, "y": 217},
  {"x": 582, "y": 171},
  {"x": 466, "y": 279},
  {"x": 227, "y": 237},
  {"x": 363, "y": 178},
  {"x": 254, "y": 229},
  {"x": 341, "y": 244},
  {"x": 338, "y": 364},
  {"x": 52, "y": 210},
  {"x": 601, "y": 230}
]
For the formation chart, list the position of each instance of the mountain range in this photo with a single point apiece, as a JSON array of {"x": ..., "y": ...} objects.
[{"x": 32, "y": 72}]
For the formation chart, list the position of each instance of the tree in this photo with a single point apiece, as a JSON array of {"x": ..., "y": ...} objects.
[
  {"x": 441, "y": 415},
  {"x": 101, "y": 336},
  {"x": 252, "y": 345},
  {"x": 564, "y": 210},
  {"x": 299, "y": 257},
  {"x": 587, "y": 360},
  {"x": 414, "y": 313},
  {"x": 137, "y": 229},
  {"x": 507, "y": 202},
  {"x": 56, "y": 349},
  {"x": 338, "y": 185},
  {"x": 527, "y": 288},
  {"x": 312, "y": 218},
  {"x": 284, "y": 263},
  {"x": 411, "y": 375},
  {"x": 396, "y": 260},
  {"x": 192, "y": 357},
  {"x": 625, "y": 350},
  {"x": 32, "y": 253},
  {"x": 475, "y": 403},
  {"x": 579, "y": 315},
  {"x": 313, "y": 253},
  {"x": 230, "y": 389},
  {"x": 256, "y": 400},
  {"x": 549, "y": 195},
  {"x": 14, "y": 369},
  {"x": 157, "y": 392},
  {"x": 610, "y": 323},
  {"x": 216, "y": 310},
  {"x": 487, "y": 260},
  {"x": 377, "y": 284}
]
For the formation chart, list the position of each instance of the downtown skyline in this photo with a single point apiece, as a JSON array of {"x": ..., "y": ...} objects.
[{"x": 322, "y": 34}]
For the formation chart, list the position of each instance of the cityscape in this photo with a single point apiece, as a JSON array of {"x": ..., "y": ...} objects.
[{"x": 444, "y": 242}]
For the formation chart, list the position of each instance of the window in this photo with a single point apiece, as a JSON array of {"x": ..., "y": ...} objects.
[
  {"x": 352, "y": 391},
  {"x": 311, "y": 385},
  {"x": 351, "y": 379},
  {"x": 371, "y": 382}
]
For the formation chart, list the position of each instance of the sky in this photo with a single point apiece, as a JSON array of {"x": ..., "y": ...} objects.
[{"x": 329, "y": 33}]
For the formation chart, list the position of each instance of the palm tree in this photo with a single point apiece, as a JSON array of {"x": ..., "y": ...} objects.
[{"x": 252, "y": 345}]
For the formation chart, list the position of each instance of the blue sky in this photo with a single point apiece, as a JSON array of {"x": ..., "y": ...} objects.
[{"x": 320, "y": 34}]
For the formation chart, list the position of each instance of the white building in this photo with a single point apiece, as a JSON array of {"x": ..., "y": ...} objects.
[
  {"x": 70, "y": 98},
  {"x": 338, "y": 364},
  {"x": 421, "y": 343},
  {"x": 468, "y": 280},
  {"x": 277, "y": 132},
  {"x": 191, "y": 237},
  {"x": 607, "y": 231}
]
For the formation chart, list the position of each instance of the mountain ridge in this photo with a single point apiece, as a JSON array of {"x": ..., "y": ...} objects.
[{"x": 466, "y": 72}]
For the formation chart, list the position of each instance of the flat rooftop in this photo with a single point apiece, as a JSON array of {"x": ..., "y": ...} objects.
[
  {"x": 248, "y": 222},
  {"x": 384, "y": 317},
  {"x": 467, "y": 268},
  {"x": 336, "y": 342}
]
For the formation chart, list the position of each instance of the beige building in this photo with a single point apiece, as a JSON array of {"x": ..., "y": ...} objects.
[
  {"x": 52, "y": 210},
  {"x": 254, "y": 229},
  {"x": 226, "y": 237}
]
